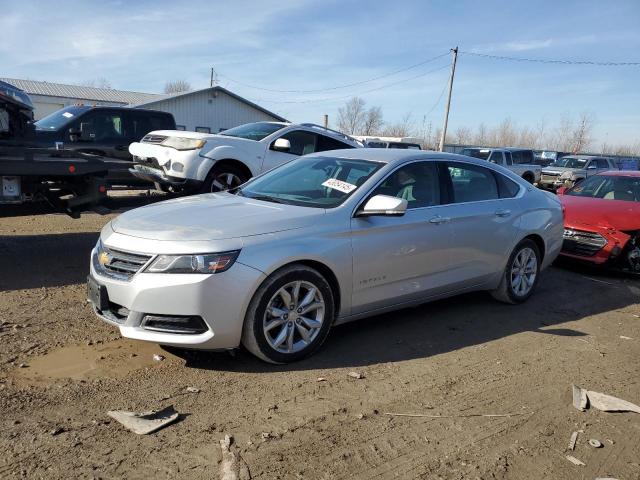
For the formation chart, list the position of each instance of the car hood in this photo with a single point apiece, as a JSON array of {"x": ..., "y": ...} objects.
[
  {"x": 559, "y": 170},
  {"x": 214, "y": 216},
  {"x": 616, "y": 214}
]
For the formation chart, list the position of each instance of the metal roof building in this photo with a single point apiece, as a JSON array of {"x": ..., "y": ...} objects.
[{"x": 209, "y": 110}]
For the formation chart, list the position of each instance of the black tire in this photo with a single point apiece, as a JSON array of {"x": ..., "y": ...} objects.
[
  {"x": 529, "y": 177},
  {"x": 505, "y": 292},
  {"x": 254, "y": 338},
  {"x": 218, "y": 178}
]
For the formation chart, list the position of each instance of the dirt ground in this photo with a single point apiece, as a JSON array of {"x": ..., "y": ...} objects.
[{"x": 62, "y": 369}]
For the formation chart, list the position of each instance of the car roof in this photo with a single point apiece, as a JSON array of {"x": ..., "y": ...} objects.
[
  {"x": 621, "y": 173},
  {"x": 397, "y": 156},
  {"x": 587, "y": 157},
  {"x": 507, "y": 149}
]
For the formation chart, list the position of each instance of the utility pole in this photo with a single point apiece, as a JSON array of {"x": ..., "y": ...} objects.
[
  {"x": 214, "y": 78},
  {"x": 446, "y": 112}
]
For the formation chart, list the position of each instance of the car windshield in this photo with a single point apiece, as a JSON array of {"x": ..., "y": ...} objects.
[
  {"x": 570, "y": 162},
  {"x": 59, "y": 119},
  {"x": 482, "y": 154},
  {"x": 318, "y": 182},
  {"x": 608, "y": 187},
  {"x": 254, "y": 131}
]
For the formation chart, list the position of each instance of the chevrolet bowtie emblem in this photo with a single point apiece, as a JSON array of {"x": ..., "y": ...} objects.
[{"x": 103, "y": 258}]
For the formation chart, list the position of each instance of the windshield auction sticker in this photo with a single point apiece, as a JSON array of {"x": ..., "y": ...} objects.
[{"x": 339, "y": 185}]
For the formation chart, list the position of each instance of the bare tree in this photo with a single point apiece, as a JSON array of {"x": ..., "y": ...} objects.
[
  {"x": 462, "y": 136},
  {"x": 581, "y": 135},
  {"x": 404, "y": 128},
  {"x": 481, "y": 135},
  {"x": 373, "y": 122},
  {"x": 352, "y": 116},
  {"x": 177, "y": 86},
  {"x": 99, "y": 82}
]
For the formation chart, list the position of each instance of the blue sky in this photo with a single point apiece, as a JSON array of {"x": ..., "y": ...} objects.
[{"x": 306, "y": 45}]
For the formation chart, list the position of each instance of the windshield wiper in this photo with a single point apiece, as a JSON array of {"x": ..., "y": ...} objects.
[{"x": 267, "y": 198}]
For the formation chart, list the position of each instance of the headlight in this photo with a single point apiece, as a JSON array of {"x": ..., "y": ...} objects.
[
  {"x": 181, "y": 143},
  {"x": 203, "y": 263}
]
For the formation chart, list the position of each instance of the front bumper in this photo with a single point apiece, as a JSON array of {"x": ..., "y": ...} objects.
[
  {"x": 586, "y": 250},
  {"x": 154, "y": 175},
  {"x": 220, "y": 300},
  {"x": 552, "y": 183}
]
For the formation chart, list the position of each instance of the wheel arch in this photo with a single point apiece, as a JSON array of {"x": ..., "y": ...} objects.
[
  {"x": 233, "y": 162},
  {"x": 529, "y": 176},
  {"x": 324, "y": 270},
  {"x": 539, "y": 241}
]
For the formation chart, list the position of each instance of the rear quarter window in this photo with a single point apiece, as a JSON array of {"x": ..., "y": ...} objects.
[{"x": 507, "y": 188}]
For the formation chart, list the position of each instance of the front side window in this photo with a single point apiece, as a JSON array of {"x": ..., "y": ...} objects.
[
  {"x": 471, "y": 183},
  {"x": 417, "y": 183},
  {"x": 302, "y": 142},
  {"x": 318, "y": 182},
  {"x": 254, "y": 131},
  {"x": 608, "y": 188},
  {"x": 602, "y": 163},
  {"x": 496, "y": 157}
]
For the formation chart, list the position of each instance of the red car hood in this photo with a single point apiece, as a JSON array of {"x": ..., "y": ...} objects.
[{"x": 617, "y": 214}]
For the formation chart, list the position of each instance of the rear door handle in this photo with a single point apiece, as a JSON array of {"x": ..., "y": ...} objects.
[
  {"x": 438, "y": 220},
  {"x": 503, "y": 213}
]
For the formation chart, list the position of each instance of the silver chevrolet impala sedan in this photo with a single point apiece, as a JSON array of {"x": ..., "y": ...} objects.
[{"x": 325, "y": 239}]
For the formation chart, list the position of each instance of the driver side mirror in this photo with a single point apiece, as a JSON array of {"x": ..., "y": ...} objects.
[
  {"x": 281, "y": 145},
  {"x": 84, "y": 133},
  {"x": 383, "y": 205},
  {"x": 592, "y": 167}
]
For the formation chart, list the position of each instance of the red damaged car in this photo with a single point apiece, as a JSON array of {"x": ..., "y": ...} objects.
[{"x": 602, "y": 220}]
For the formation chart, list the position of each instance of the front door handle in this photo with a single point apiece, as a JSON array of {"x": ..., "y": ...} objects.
[
  {"x": 503, "y": 213},
  {"x": 438, "y": 220}
]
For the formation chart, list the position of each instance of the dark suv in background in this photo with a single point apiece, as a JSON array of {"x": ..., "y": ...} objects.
[{"x": 104, "y": 131}]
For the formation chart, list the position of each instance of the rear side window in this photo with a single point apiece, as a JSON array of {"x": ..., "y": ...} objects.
[
  {"x": 522, "y": 156},
  {"x": 472, "y": 183},
  {"x": 327, "y": 143},
  {"x": 602, "y": 163},
  {"x": 507, "y": 157},
  {"x": 507, "y": 188}
]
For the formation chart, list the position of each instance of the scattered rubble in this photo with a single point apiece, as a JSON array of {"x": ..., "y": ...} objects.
[
  {"x": 158, "y": 358},
  {"x": 145, "y": 422},
  {"x": 572, "y": 440},
  {"x": 356, "y": 375},
  {"x": 595, "y": 443},
  {"x": 601, "y": 401},
  {"x": 575, "y": 461}
]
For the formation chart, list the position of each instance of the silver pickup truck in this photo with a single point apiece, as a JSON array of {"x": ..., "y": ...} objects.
[
  {"x": 569, "y": 170},
  {"x": 518, "y": 160}
]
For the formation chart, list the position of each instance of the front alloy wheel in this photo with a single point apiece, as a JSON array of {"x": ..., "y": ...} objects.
[
  {"x": 293, "y": 317},
  {"x": 289, "y": 315}
]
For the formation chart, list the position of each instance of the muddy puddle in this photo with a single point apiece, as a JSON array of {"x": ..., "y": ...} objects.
[{"x": 87, "y": 362}]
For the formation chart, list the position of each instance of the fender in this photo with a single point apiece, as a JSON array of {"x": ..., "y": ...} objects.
[{"x": 252, "y": 161}]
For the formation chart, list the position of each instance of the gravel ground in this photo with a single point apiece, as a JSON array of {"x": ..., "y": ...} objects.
[{"x": 61, "y": 370}]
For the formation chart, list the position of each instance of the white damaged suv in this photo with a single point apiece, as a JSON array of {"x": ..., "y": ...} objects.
[{"x": 201, "y": 162}]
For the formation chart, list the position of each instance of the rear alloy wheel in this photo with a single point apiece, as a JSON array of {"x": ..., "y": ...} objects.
[
  {"x": 222, "y": 178},
  {"x": 521, "y": 274},
  {"x": 289, "y": 316}
]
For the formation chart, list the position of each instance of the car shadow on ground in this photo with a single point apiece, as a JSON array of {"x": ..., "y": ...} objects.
[{"x": 439, "y": 327}]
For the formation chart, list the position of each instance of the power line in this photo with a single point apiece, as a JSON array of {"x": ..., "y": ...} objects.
[
  {"x": 337, "y": 87},
  {"x": 314, "y": 100},
  {"x": 562, "y": 62}
]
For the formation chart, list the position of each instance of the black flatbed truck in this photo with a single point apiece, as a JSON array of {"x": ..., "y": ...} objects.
[{"x": 67, "y": 180}]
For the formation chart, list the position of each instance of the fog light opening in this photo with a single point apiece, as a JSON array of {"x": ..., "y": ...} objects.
[{"x": 187, "y": 325}]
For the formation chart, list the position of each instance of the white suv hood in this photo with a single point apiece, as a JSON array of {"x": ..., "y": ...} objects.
[{"x": 214, "y": 216}]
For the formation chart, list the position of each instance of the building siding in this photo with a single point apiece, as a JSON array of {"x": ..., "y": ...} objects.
[{"x": 213, "y": 109}]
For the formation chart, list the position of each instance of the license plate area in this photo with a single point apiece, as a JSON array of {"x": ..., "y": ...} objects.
[{"x": 97, "y": 294}]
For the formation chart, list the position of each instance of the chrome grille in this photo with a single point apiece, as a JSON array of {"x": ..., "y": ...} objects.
[
  {"x": 118, "y": 264},
  {"x": 579, "y": 242},
  {"x": 154, "y": 138}
]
